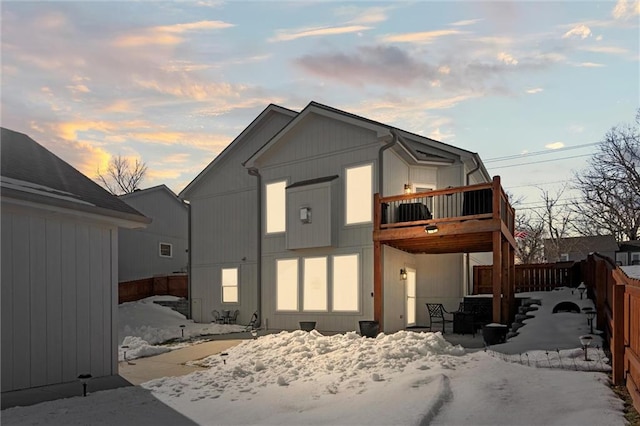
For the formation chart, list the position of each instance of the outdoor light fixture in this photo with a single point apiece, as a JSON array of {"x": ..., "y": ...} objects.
[
  {"x": 431, "y": 229},
  {"x": 581, "y": 289},
  {"x": 84, "y": 379},
  {"x": 585, "y": 341},
  {"x": 407, "y": 188},
  {"x": 591, "y": 314},
  {"x": 182, "y": 330},
  {"x": 224, "y": 356},
  {"x": 254, "y": 332},
  {"x": 403, "y": 274},
  {"x": 305, "y": 214}
]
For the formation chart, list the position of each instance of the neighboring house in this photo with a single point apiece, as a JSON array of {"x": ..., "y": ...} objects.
[
  {"x": 578, "y": 248},
  {"x": 283, "y": 218},
  {"x": 160, "y": 248},
  {"x": 59, "y": 268},
  {"x": 628, "y": 253}
]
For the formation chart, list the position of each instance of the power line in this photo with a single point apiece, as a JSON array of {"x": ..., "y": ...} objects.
[
  {"x": 535, "y": 184},
  {"x": 547, "y": 151},
  {"x": 542, "y": 161}
]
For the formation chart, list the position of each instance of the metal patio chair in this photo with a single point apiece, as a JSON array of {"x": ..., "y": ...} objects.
[{"x": 437, "y": 314}]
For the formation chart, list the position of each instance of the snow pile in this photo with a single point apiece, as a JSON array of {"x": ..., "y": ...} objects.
[{"x": 153, "y": 324}]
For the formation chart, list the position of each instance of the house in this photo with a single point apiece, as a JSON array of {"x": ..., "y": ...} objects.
[
  {"x": 161, "y": 248},
  {"x": 628, "y": 253},
  {"x": 59, "y": 268},
  {"x": 578, "y": 248},
  {"x": 285, "y": 222}
]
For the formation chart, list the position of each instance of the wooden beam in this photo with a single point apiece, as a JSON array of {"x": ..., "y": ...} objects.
[
  {"x": 507, "y": 291},
  {"x": 497, "y": 277},
  {"x": 377, "y": 283}
]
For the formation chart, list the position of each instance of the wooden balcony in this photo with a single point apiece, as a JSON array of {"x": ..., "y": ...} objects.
[
  {"x": 452, "y": 220},
  {"x": 468, "y": 219}
]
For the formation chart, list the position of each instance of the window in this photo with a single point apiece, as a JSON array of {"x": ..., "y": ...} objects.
[
  {"x": 230, "y": 285},
  {"x": 359, "y": 194},
  {"x": 564, "y": 257},
  {"x": 287, "y": 284},
  {"x": 276, "y": 207},
  {"x": 315, "y": 284},
  {"x": 345, "y": 283},
  {"x": 165, "y": 250}
]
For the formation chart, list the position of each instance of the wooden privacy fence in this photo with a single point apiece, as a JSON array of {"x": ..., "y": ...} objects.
[
  {"x": 530, "y": 277},
  {"x": 173, "y": 285},
  {"x": 617, "y": 298}
]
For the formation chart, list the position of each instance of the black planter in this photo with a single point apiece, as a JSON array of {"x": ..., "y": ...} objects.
[
  {"x": 369, "y": 328},
  {"x": 494, "y": 334},
  {"x": 307, "y": 325}
]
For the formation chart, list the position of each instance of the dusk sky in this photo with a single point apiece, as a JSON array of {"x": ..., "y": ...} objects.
[{"x": 173, "y": 83}]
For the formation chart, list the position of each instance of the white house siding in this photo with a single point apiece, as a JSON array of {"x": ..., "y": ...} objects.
[
  {"x": 139, "y": 248},
  {"x": 395, "y": 291},
  {"x": 396, "y": 174},
  {"x": 224, "y": 218},
  {"x": 321, "y": 147},
  {"x": 59, "y": 271}
]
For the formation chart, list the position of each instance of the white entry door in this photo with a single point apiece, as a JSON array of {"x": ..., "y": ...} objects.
[{"x": 411, "y": 297}]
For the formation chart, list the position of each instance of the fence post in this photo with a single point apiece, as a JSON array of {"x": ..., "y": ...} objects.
[
  {"x": 600, "y": 284},
  {"x": 617, "y": 334}
]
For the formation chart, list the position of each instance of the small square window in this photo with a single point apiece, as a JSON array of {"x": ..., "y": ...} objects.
[{"x": 166, "y": 250}]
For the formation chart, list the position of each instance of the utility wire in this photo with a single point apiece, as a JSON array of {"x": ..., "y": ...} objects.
[
  {"x": 541, "y": 161},
  {"x": 547, "y": 151}
]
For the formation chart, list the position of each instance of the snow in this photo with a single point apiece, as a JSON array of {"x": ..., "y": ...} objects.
[
  {"x": 632, "y": 271},
  {"x": 144, "y": 325},
  {"x": 404, "y": 378}
]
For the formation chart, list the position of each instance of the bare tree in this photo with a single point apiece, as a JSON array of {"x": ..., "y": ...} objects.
[
  {"x": 122, "y": 177},
  {"x": 610, "y": 186},
  {"x": 556, "y": 219},
  {"x": 529, "y": 238}
]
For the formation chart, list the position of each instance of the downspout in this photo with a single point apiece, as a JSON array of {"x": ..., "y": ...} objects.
[
  {"x": 255, "y": 172},
  {"x": 468, "y": 261},
  {"x": 189, "y": 293},
  {"x": 379, "y": 307}
]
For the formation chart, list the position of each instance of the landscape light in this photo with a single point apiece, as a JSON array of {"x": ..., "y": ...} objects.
[
  {"x": 585, "y": 341},
  {"x": 591, "y": 314},
  {"x": 84, "y": 379},
  {"x": 182, "y": 330},
  {"x": 581, "y": 289}
]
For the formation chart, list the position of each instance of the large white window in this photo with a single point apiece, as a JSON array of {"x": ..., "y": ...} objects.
[
  {"x": 315, "y": 284},
  {"x": 276, "y": 207},
  {"x": 287, "y": 285},
  {"x": 230, "y": 285},
  {"x": 359, "y": 194},
  {"x": 345, "y": 283}
]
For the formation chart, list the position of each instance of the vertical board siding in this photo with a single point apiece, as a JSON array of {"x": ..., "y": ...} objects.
[
  {"x": 83, "y": 300},
  {"x": 95, "y": 302},
  {"x": 68, "y": 249},
  {"x": 6, "y": 298},
  {"x": 21, "y": 317},
  {"x": 55, "y": 352},
  {"x": 38, "y": 302}
]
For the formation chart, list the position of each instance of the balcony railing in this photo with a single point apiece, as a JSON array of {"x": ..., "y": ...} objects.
[{"x": 482, "y": 201}]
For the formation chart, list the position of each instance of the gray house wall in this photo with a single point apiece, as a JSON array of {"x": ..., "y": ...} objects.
[
  {"x": 59, "y": 296},
  {"x": 139, "y": 252},
  {"x": 224, "y": 216}
]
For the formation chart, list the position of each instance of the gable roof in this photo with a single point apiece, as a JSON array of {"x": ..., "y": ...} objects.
[
  {"x": 149, "y": 191},
  {"x": 271, "y": 108},
  {"x": 30, "y": 172},
  {"x": 419, "y": 147}
]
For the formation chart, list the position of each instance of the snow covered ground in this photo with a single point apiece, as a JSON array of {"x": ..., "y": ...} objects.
[{"x": 405, "y": 378}]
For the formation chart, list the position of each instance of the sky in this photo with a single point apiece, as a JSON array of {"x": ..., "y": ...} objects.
[
  {"x": 173, "y": 83},
  {"x": 404, "y": 378}
]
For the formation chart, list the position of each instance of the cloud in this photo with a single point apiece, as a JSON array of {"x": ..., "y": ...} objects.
[
  {"x": 370, "y": 15},
  {"x": 624, "y": 10},
  {"x": 534, "y": 91},
  {"x": 167, "y": 34},
  {"x": 614, "y": 50},
  {"x": 424, "y": 37},
  {"x": 368, "y": 64},
  {"x": 588, "y": 65},
  {"x": 288, "y": 35},
  {"x": 554, "y": 145},
  {"x": 465, "y": 22},
  {"x": 580, "y": 31},
  {"x": 507, "y": 58}
]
